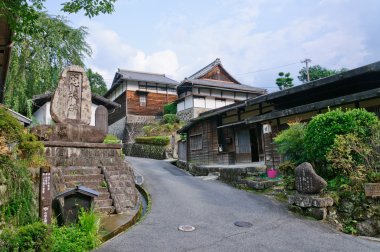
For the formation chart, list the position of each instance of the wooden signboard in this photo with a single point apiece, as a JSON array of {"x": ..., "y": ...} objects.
[
  {"x": 45, "y": 195},
  {"x": 372, "y": 189}
]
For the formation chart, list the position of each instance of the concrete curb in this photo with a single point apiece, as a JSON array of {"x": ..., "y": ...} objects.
[{"x": 133, "y": 221}]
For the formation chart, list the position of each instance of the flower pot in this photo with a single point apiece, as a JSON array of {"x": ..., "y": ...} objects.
[{"x": 272, "y": 173}]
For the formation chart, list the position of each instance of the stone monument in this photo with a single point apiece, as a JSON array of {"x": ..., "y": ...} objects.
[
  {"x": 76, "y": 151},
  {"x": 307, "y": 200}
]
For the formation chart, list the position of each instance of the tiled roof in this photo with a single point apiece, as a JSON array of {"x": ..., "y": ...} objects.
[
  {"x": 148, "y": 77},
  {"x": 224, "y": 85}
]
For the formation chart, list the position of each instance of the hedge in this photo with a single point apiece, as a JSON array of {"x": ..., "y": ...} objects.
[
  {"x": 170, "y": 118},
  {"x": 170, "y": 108},
  {"x": 155, "y": 140}
]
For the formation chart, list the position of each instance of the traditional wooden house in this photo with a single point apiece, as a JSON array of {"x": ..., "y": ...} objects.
[
  {"x": 42, "y": 103},
  {"x": 209, "y": 88},
  {"x": 142, "y": 97},
  {"x": 243, "y": 132}
]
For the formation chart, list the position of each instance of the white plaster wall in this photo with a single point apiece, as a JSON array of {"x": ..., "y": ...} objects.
[
  {"x": 199, "y": 102},
  {"x": 43, "y": 115},
  {"x": 210, "y": 102},
  {"x": 132, "y": 85},
  {"x": 228, "y": 102},
  {"x": 180, "y": 106},
  {"x": 204, "y": 91},
  {"x": 220, "y": 103},
  {"x": 241, "y": 96},
  {"x": 216, "y": 93},
  {"x": 48, "y": 119},
  {"x": 40, "y": 114},
  {"x": 227, "y": 94},
  {"x": 93, "y": 109},
  {"x": 189, "y": 102}
]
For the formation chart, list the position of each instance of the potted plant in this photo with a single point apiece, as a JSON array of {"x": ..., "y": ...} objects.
[{"x": 272, "y": 173}]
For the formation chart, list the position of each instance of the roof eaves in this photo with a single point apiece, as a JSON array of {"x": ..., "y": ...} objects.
[{"x": 374, "y": 67}]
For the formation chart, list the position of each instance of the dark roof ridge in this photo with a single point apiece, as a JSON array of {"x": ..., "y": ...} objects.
[{"x": 142, "y": 72}]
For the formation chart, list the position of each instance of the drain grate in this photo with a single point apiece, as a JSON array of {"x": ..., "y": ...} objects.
[
  {"x": 186, "y": 228},
  {"x": 243, "y": 224}
]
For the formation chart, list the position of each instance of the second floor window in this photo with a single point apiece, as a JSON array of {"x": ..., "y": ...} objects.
[{"x": 142, "y": 100}]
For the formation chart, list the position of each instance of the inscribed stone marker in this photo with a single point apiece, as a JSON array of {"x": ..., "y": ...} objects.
[
  {"x": 101, "y": 119},
  {"x": 307, "y": 181},
  {"x": 71, "y": 101}
]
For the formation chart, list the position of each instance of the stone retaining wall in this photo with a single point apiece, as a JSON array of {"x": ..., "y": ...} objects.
[{"x": 145, "y": 151}]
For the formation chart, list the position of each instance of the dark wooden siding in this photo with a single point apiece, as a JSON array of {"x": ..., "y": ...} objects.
[
  {"x": 117, "y": 114},
  {"x": 182, "y": 151},
  {"x": 218, "y": 73},
  {"x": 154, "y": 103},
  {"x": 272, "y": 158},
  {"x": 209, "y": 151}
]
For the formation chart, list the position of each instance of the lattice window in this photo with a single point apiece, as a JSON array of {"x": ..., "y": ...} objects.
[
  {"x": 196, "y": 142},
  {"x": 142, "y": 100}
]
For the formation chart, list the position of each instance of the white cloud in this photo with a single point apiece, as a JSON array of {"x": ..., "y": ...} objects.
[{"x": 110, "y": 53}]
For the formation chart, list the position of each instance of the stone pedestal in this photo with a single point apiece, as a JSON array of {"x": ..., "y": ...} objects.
[
  {"x": 95, "y": 165},
  {"x": 307, "y": 201},
  {"x": 310, "y": 205}
]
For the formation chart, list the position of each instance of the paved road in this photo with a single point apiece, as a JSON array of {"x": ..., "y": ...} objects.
[{"x": 213, "y": 207}]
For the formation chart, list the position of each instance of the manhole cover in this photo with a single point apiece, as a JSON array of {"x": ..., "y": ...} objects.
[
  {"x": 243, "y": 224},
  {"x": 186, "y": 228}
]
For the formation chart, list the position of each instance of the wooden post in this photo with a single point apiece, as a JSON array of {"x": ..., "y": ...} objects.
[{"x": 45, "y": 195}]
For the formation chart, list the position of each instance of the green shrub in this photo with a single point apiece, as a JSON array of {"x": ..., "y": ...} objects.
[
  {"x": 9, "y": 126},
  {"x": 155, "y": 140},
  {"x": 290, "y": 142},
  {"x": 111, "y": 139},
  {"x": 18, "y": 206},
  {"x": 351, "y": 154},
  {"x": 170, "y": 108},
  {"x": 321, "y": 132},
  {"x": 32, "y": 237},
  {"x": 82, "y": 236},
  {"x": 287, "y": 170},
  {"x": 170, "y": 118}
]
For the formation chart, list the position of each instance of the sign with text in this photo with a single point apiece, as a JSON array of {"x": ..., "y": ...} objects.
[
  {"x": 45, "y": 195},
  {"x": 372, "y": 189}
]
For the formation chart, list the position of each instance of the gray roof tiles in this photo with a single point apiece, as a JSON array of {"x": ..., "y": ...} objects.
[{"x": 147, "y": 77}]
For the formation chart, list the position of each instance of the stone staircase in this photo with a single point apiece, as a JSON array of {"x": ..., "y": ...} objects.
[
  {"x": 91, "y": 177},
  {"x": 120, "y": 182}
]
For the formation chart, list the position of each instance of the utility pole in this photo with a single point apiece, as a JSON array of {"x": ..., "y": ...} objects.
[{"x": 307, "y": 61}]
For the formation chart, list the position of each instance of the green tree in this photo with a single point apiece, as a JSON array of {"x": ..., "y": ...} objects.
[
  {"x": 317, "y": 72},
  {"x": 284, "y": 81},
  {"x": 37, "y": 61},
  {"x": 97, "y": 83},
  {"x": 22, "y": 14}
]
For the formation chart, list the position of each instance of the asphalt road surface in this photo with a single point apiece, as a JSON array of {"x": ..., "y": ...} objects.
[{"x": 212, "y": 207}]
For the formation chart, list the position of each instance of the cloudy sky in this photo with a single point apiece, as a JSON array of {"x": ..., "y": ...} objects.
[{"x": 255, "y": 39}]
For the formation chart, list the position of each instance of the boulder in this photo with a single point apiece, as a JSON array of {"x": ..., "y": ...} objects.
[
  {"x": 307, "y": 181},
  {"x": 71, "y": 102}
]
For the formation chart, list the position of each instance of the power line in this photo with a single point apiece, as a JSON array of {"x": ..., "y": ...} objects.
[{"x": 266, "y": 69}]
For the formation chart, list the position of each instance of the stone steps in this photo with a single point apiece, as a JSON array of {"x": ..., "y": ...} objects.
[
  {"x": 81, "y": 170},
  {"x": 84, "y": 178},
  {"x": 107, "y": 209},
  {"x": 103, "y": 203},
  {"x": 90, "y": 184},
  {"x": 91, "y": 177}
]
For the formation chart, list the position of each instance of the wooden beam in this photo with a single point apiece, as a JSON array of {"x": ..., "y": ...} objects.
[{"x": 317, "y": 105}]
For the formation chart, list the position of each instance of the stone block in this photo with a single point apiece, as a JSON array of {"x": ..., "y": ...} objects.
[
  {"x": 316, "y": 213},
  {"x": 310, "y": 201},
  {"x": 307, "y": 181}
]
